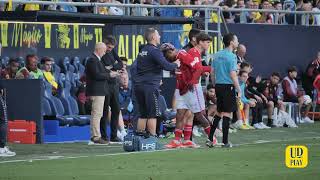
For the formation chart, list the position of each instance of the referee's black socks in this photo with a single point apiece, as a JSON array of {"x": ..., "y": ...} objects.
[
  {"x": 214, "y": 126},
  {"x": 225, "y": 129}
]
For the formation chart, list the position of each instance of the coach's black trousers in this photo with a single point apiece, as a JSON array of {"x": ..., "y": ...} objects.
[{"x": 112, "y": 100}]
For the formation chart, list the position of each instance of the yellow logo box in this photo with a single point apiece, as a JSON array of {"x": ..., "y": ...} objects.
[{"x": 296, "y": 156}]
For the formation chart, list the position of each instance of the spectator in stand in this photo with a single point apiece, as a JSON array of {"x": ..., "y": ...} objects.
[
  {"x": 291, "y": 94},
  {"x": 32, "y": 7},
  {"x": 140, "y": 11},
  {"x": 103, "y": 9},
  {"x": 31, "y": 70},
  {"x": 11, "y": 70},
  {"x": 255, "y": 16},
  {"x": 305, "y": 19},
  {"x": 241, "y": 17},
  {"x": 316, "y": 9},
  {"x": 46, "y": 66},
  {"x": 68, "y": 8},
  {"x": 85, "y": 9},
  {"x": 279, "y": 17},
  {"x": 266, "y": 18}
]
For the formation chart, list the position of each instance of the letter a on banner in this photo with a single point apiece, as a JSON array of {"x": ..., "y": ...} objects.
[
  {"x": 4, "y": 34},
  {"x": 76, "y": 36},
  {"x": 47, "y": 35}
]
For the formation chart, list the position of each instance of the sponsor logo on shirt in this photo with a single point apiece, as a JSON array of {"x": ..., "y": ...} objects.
[{"x": 195, "y": 61}]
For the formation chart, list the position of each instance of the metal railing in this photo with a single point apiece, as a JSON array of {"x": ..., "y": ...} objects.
[{"x": 208, "y": 9}]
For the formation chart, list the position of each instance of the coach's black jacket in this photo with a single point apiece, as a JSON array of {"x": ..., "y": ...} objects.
[
  {"x": 96, "y": 77},
  {"x": 112, "y": 60}
]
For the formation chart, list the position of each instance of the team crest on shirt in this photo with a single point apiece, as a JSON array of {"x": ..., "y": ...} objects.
[{"x": 143, "y": 53}]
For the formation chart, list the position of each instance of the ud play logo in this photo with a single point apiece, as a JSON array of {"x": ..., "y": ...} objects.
[{"x": 296, "y": 156}]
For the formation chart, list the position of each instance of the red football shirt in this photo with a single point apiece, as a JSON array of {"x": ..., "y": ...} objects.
[
  {"x": 186, "y": 69},
  {"x": 199, "y": 68}
]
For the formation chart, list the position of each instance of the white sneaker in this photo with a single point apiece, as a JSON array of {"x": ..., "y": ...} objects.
[
  {"x": 264, "y": 126},
  {"x": 218, "y": 133},
  {"x": 5, "y": 152},
  {"x": 237, "y": 124},
  {"x": 307, "y": 120},
  {"x": 195, "y": 131},
  {"x": 258, "y": 126}
]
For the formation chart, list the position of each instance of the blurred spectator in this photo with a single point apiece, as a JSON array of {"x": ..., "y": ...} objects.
[
  {"x": 103, "y": 9},
  {"x": 266, "y": 18},
  {"x": 46, "y": 66},
  {"x": 11, "y": 70},
  {"x": 254, "y": 15},
  {"x": 316, "y": 16},
  {"x": 32, "y": 7},
  {"x": 116, "y": 11},
  {"x": 139, "y": 11},
  {"x": 241, "y": 17},
  {"x": 305, "y": 19},
  {"x": 68, "y": 8},
  {"x": 31, "y": 70},
  {"x": 85, "y": 9},
  {"x": 279, "y": 17}
]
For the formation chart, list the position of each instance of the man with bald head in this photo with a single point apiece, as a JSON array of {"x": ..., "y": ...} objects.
[
  {"x": 97, "y": 75},
  {"x": 241, "y": 53}
]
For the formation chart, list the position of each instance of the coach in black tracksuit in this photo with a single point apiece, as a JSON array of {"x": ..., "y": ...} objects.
[{"x": 112, "y": 62}]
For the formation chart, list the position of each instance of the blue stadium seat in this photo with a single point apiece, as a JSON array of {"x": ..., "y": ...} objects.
[
  {"x": 69, "y": 103},
  {"x": 56, "y": 71},
  {"x": 64, "y": 64},
  {"x": 46, "y": 109},
  {"x": 56, "y": 106},
  {"x": 21, "y": 61},
  {"x": 85, "y": 61},
  {"x": 79, "y": 68},
  {"x": 5, "y": 61}
]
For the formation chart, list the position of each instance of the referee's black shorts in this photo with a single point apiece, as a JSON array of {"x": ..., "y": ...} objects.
[
  {"x": 147, "y": 99},
  {"x": 226, "y": 98}
]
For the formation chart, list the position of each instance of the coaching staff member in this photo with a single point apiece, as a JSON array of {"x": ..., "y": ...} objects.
[
  {"x": 113, "y": 63},
  {"x": 224, "y": 68},
  {"x": 97, "y": 75},
  {"x": 150, "y": 66}
]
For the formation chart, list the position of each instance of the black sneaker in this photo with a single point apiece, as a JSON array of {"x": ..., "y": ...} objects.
[
  {"x": 115, "y": 141},
  {"x": 98, "y": 141},
  {"x": 227, "y": 145}
]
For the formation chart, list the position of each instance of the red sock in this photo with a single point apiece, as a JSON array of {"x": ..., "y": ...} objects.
[
  {"x": 187, "y": 132},
  {"x": 177, "y": 134},
  {"x": 207, "y": 130}
]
